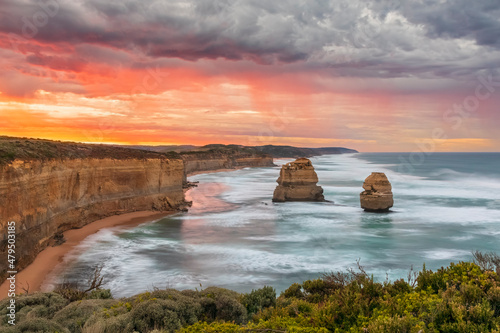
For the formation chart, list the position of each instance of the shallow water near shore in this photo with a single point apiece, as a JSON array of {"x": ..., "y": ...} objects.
[{"x": 235, "y": 237}]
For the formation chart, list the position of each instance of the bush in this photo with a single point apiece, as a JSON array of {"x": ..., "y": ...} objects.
[
  {"x": 98, "y": 324},
  {"x": 75, "y": 315},
  {"x": 229, "y": 309},
  {"x": 99, "y": 294},
  {"x": 40, "y": 325},
  {"x": 316, "y": 290},
  {"x": 188, "y": 308},
  {"x": 294, "y": 291},
  {"x": 259, "y": 299},
  {"x": 462, "y": 297},
  {"x": 37, "y": 305},
  {"x": 154, "y": 314},
  {"x": 217, "y": 327},
  {"x": 493, "y": 297},
  {"x": 385, "y": 324},
  {"x": 222, "y": 304},
  {"x": 455, "y": 275}
]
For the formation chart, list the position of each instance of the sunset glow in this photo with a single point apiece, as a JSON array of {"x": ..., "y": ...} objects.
[{"x": 178, "y": 72}]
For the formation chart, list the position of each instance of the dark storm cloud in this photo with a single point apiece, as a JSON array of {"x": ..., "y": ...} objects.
[
  {"x": 381, "y": 38},
  {"x": 476, "y": 20}
]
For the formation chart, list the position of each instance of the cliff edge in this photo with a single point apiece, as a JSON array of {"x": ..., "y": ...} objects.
[
  {"x": 53, "y": 187},
  {"x": 48, "y": 187},
  {"x": 214, "y": 157}
]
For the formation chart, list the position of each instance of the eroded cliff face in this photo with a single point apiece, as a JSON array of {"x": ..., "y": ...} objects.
[
  {"x": 377, "y": 195},
  {"x": 48, "y": 187},
  {"x": 297, "y": 182},
  {"x": 48, "y": 197},
  {"x": 213, "y": 161}
]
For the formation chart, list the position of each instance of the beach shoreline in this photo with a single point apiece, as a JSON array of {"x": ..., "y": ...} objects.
[
  {"x": 48, "y": 263},
  {"x": 213, "y": 171},
  {"x": 34, "y": 276}
]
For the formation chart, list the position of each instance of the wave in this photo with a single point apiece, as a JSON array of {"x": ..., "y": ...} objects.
[{"x": 234, "y": 236}]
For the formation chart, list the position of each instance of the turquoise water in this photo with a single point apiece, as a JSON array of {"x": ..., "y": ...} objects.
[{"x": 235, "y": 237}]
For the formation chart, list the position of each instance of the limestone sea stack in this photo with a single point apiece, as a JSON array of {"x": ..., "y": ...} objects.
[
  {"x": 297, "y": 182},
  {"x": 377, "y": 196}
]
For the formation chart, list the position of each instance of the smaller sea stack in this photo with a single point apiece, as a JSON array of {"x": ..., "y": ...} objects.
[
  {"x": 377, "y": 196},
  {"x": 297, "y": 182}
]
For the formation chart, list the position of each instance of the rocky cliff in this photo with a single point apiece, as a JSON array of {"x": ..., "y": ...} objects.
[
  {"x": 46, "y": 198},
  {"x": 296, "y": 152},
  {"x": 214, "y": 160},
  {"x": 377, "y": 194},
  {"x": 48, "y": 187},
  {"x": 297, "y": 182},
  {"x": 273, "y": 150}
]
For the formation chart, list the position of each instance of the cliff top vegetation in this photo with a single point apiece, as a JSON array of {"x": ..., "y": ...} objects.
[{"x": 12, "y": 148}]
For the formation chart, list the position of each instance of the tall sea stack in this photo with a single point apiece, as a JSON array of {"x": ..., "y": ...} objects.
[
  {"x": 377, "y": 196},
  {"x": 297, "y": 182}
]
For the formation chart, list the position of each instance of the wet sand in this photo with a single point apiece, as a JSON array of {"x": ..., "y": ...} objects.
[
  {"x": 213, "y": 171},
  {"x": 35, "y": 275}
]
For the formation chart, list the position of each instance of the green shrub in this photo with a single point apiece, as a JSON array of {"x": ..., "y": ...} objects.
[
  {"x": 216, "y": 327},
  {"x": 222, "y": 304},
  {"x": 209, "y": 309},
  {"x": 455, "y": 275},
  {"x": 493, "y": 297},
  {"x": 40, "y": 325},
  {"x": 287, "y": 324},
  {"x": 36, "y": 305},
  {"x": 75, "y": 315},
  {"x": 214, "y": 292},
  {"x": 229, "y": 309},
  {"x": 384, "y": 324},
  {"x": 259, "y": 299},
  {"x": 316, "y": 290},
  {"x": 398, "y": 287},
  {"x": 99, "y": 324},
  {"x": 295, "y": 290},
  {"x": 188, "y": 308},
  {"x": 462, "y": 297},
  {"x": 99, "y": 294},
  {"x": 154, "y": 314}
]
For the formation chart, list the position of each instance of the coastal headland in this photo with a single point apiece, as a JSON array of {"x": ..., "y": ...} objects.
[{"x": 52, "y": 190}]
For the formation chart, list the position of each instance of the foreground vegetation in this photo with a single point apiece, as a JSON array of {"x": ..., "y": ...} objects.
[{"x": 463, "y": 297}]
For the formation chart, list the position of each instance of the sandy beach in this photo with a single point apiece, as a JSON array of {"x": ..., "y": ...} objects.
[
  {"x": 213, "y": 171},
  {"x": 47, "y": 261}
]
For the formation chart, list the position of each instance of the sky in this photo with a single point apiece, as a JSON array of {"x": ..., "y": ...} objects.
[{"x": 381, "y": 75}]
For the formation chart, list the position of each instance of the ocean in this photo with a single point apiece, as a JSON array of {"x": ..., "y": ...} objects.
[{"x": 446, "y": 206}]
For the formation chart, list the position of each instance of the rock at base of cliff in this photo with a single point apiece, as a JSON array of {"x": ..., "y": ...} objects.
[
  {"x": 297, "y": 182},
  {"x": 377, "y": 195},
  {"x": 299, "y": 193}
]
